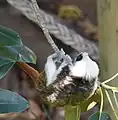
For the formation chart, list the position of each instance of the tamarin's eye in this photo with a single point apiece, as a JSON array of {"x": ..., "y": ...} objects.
[{"x": 79, "y": 57}]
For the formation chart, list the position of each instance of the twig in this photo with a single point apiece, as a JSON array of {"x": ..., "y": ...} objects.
[{"x": 41, "y": 23}]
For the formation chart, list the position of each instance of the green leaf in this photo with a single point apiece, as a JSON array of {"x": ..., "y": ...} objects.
[
  {"x": 11, "y": 47},
  {"x": 72, "y": 112},
  {"x": 9, "y": 37},
  {"x": 5, "y": 66},
  {"x": 18, "y": 53},
  {"x": 12, "y": 50},
  {"x": 95, "y": 116},
  {"x": 12, "y": 102}
]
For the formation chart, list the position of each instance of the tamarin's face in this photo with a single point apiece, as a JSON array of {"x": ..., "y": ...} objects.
[
  {"x": 85, "y": 67},
  {"x": 64, "y": 80}
]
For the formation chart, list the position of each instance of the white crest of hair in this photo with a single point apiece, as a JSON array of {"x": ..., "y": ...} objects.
[
  {"x": 85, "y": 68},
  {"x": 50, "y": 69},
  {"x": 50, "y": 66}
]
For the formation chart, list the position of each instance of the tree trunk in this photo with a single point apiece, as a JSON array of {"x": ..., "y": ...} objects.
[{"x": 108, "y": 35}]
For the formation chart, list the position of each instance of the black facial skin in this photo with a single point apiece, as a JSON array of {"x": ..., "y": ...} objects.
[{"x": 79, "y": 57}]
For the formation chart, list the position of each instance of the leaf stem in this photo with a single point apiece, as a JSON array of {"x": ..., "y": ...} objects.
[
  {"x": 110, "y": 79},
  {"x": 109, "y": 87},
  {"x": 116, "y": 101},
  {"x": 101, "y": 103},
  {"x": 111, "y": 104},
  {"x": 31, "y": 72}
]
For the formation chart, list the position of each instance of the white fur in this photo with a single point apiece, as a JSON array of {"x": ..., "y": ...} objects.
[
  {"x": 85, "y": 68},
  {"x": 50, "y": 69}
]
